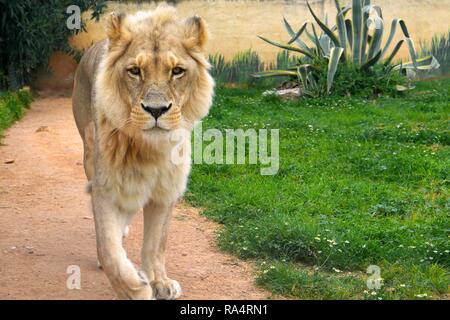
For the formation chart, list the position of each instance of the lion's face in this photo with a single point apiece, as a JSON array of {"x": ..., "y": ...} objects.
[
  {"x": 155, "y": 66},
  {"x": 156, "y": 77}
]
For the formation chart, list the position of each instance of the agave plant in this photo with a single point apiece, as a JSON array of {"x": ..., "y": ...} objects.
[{"x": 356, "y": 39}]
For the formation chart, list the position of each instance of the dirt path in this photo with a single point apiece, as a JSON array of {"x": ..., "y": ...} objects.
[{"x": 46, "y": 223}]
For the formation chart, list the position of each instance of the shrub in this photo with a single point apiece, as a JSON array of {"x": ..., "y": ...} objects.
[
  {"x": 372, "y": 82},
  {"x": 245, "y": 63},
  {"x": 238, "y": 69},
  {"x": 12, "y": 106},
  {"x": 354, "y": 45},
  {"x": 30, "y": 31},
  {"x": 439, "y": 47}
]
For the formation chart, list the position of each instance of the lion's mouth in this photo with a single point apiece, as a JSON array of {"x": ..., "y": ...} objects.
[{"x": 155, "y": 129}]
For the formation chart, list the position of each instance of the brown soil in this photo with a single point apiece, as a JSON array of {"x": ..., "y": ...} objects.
[{"x": 46, "y": 223}]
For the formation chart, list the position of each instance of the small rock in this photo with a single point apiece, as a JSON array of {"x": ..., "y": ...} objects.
[
  {"x": 87, "y": 218},
  {"x": 290, "y": 93},
  {"x": 9, "y": 161},
  {"x": 13, "y": 248}
]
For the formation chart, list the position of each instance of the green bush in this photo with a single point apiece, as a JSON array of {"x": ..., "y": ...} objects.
[
  {"x": 30, "y": 31},
  {"x": 239, "y": 69},
  {"x": 12, "y": 106},
  {"x": 439, "y": 47},
  {"x": 372, "y": 82}
]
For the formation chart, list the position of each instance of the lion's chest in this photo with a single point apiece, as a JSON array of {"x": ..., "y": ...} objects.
[{"x": 163, "y": 183}]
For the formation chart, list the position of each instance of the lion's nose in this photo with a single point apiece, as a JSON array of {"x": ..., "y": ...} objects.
[{"x": 158, "y": 111}]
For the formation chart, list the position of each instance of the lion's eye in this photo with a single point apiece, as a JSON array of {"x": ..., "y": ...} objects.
[
  {"x": 177, "y": 71},
  {"x": 135, "y": 71}
]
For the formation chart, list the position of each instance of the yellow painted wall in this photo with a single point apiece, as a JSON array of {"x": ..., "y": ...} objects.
[{"x": 235, "y": 24}]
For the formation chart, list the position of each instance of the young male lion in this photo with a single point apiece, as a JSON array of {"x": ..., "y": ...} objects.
[{"x": 132, "y": 91}]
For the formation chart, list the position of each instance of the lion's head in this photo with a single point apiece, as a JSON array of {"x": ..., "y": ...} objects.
[{"x": 154, "y": 76}]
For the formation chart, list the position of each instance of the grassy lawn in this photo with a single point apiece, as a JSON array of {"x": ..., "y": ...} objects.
[{"x": 361, "y": 182}]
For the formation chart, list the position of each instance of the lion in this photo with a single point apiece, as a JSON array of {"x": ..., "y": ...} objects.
[{"x": 148, "y": 79}]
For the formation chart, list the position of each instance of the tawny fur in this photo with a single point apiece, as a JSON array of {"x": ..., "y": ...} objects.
[{"x": 127, "y": 159}]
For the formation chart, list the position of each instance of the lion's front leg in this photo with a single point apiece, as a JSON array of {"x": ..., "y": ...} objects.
[
  {"x": 156, "y": 224},
  {"x": 125, "y": 279}
]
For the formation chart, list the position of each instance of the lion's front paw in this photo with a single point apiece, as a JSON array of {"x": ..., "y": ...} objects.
[
  {"x": 166, "y": 289},
  {"x": 128, "y": 286}
]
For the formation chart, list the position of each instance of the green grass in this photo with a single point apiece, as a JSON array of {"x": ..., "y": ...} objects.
[
  {"x": 361, "y": 182},
  {"x": 12, "y": 106}
]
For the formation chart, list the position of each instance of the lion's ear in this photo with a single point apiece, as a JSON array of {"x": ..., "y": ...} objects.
[
  {"x": 115, "y": 26},
  {"x": 196, "y": 33}
]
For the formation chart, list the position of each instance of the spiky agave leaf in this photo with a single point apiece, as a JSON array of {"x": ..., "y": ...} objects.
[
  {"x": 287, "y": 47},
  {"x": 297, "y": 40},
  {"x": 298, "y": 33},
  {"x": 349, "y": 30},
  {"x": 274, "y": 73},
  {"x": 402, "y": 88},
  {"x": 365, "y": 29},
  {"x": 391, "y": 36},
  {"x": 375, "y": 41},
  {"x": 357, "y": 30},
  {"x": 425, "y": 63},
  {"x": 393, "y": 53},
  {"x": 409, "y": 42},
  {"x": 324, "y": 27},
  {"x": 303, "y": 75},
  {"x": 319, "y": 48},
  {"x": 333, "y": 62},
  {"x": 325, "y": 44},
  {"x": 340, "y": 23},
  {"x": 368, "y": 19},
  {"x": 307, "y": 80}
]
